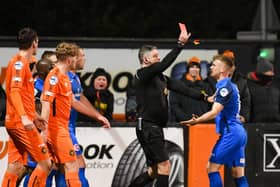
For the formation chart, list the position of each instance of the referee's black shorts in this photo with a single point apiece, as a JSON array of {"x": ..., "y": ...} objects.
[{"x": 151, "y": 138}]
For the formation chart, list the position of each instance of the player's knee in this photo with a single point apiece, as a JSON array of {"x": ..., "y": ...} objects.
[
  {"x": 212, "y": 167},
  {"x": 237, "y": 172},
  {"x": 164, "y": 167}
]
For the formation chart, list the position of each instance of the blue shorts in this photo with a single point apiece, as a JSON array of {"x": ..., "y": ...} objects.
[
  {"x": 230, "y": 147},
  {"x": 31, "y": 162},
  {"x": 76, "y": 144}
]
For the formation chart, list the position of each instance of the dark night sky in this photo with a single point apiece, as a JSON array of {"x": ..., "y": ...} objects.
[{"x": 129, "y": 18}]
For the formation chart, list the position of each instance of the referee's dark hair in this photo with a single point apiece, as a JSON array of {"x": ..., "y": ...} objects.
[{"x": 144, "y": 50}]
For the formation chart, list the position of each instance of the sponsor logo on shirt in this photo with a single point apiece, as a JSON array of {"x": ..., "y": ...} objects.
[
  {"x": 53, "y": 80},
  {"x": 18, "y": 65},
  {"x": 16, "y": 79}
]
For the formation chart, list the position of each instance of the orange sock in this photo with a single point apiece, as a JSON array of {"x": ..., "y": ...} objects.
[
  {"x": 9, "y": 180},
  {"x": 38, "y": 178},
  {"x": 72, "y": 179}
]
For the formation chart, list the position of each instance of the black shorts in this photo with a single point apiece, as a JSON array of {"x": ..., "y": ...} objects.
[{"x": 151, "y": 138}]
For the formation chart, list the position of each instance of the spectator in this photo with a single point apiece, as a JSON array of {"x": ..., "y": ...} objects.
[
  {"x": 180, "y": 104},
  {"x": 265, "y": 96},
  {"x": 241, "y": 82},
  {"x": 99, "y": 95},
  {"x": 131, "y": 104}
]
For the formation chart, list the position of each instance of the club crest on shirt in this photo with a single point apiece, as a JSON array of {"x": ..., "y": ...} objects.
[
  {"x": 53, "y": 80},
  {"x": 224, "y": 92},
  {"x": 71, "y": 152},
  {"x": 18, "y": 65},
  {"x": 44, "y": 150}
]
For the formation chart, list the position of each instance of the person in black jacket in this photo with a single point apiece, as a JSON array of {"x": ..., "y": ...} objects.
[
  {"x": 99, "y": 95},
  {"x": 264, "y": 94},
  {"x": 152, "y": 109},
  {"x": 130, "y": 104},
  {"x": 180, "y": 104}
]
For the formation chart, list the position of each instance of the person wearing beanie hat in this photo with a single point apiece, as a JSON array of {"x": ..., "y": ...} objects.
[
  {"x": 99, "y": 95},
  {"x": 193, "y": 69},
  {"x": 179, "y": 104},
  {"x": 265, "y": 67},
  {"x": 101, "y": 72},
  {"x": 265, "y": 95},
  {"x": 264, "y": 72}
]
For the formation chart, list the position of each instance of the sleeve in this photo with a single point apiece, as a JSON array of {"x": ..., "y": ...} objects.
[
  {"x": 130, "y": 104},
  {"x": 223, "y": 95},
  {"x": 109, "y": 112},
  {"x": 176, "y": 112},
  {"x": 17, "y": 78},
  {"x": 50, "y": 88},
  {"x": 147, "y": 73},
  {"x": 245, "y": 98},
  {"x": 180, "y": 87}
]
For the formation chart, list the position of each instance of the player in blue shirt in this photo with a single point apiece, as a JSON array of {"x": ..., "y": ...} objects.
[{"x": 230, "y": 148}]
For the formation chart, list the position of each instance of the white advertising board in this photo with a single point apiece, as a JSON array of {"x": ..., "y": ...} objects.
[{"x": 105, "y": 149}]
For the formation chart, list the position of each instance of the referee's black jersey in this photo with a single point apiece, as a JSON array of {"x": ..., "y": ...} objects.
[{"x": 152, "y": 90}]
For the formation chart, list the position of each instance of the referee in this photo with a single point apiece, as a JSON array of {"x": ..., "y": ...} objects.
[{"x": 152, "y": 109}]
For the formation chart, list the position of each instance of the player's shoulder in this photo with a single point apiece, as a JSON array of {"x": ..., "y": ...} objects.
[
  {"x": 17, "y": 62},
  {"x": 224, "y": 83},
  {"x": 224, "y": 87}
]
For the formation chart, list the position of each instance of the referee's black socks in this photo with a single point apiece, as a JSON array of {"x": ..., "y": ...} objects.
[
  {"x": 141, "y": 180},
  {"x": 162, "y": 181}
]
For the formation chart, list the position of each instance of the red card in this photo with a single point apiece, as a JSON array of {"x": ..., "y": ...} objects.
[{"x": 182, "y": 27}]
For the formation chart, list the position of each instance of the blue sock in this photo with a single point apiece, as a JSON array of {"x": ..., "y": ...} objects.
[
  {"x": 241, "y": 182},
  {"x": 83, "y": 178},
  {"x": 50, "y": 177},
  {"x": 215, "y": 179},
  {"x": 60, "y": 179},
  {"x": 26, "y": 180}
]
